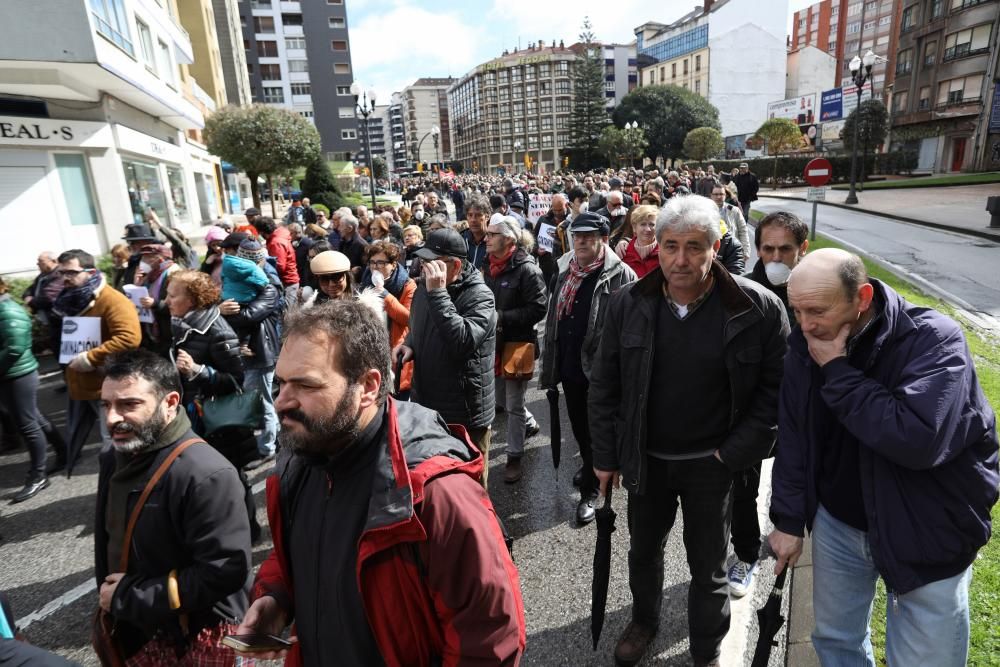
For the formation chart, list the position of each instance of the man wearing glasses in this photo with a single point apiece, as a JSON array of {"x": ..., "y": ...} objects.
[{"x": 86, "y": 294}]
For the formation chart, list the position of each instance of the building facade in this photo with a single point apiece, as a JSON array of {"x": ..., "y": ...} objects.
[
  {"x": 376, "y": 139},
  {"x": 425, "y": 106},
  {"x": 733, "y": 52},
  {"x": 232, "y": 55},
  {"x": 397, "y": 134},
  {"x": 99, "y": 126},
  {"x": 815, "y": 26},
  {"x": 809, "y": 70},
  {"x": 299, "y": 58},
  {"x": 621, "y": 73},
  {"x": 944, "y": 99},
  {"x": 513, "y": 112}
]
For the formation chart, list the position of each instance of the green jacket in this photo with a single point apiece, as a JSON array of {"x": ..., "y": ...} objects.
[{"x": 16, "y": 358}]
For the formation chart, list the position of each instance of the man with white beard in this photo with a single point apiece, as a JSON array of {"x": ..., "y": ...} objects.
[
  {"x": 614, "y": 210},
  {"x": 172, "y": 577}
]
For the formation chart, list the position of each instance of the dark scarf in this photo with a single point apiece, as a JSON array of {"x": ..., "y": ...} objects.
[
  {"x": 132, "y": 470},
  {"x": 73, "y": 300}
]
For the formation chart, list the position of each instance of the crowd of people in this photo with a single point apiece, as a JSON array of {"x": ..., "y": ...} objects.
[{"x": 369, "y": 354}]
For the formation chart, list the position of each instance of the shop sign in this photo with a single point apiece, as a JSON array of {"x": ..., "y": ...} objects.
[{"x": 24, "y": 131}]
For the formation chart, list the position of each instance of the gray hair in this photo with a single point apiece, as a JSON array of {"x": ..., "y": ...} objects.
[
  {"x": 689, "y": 214},
  {"x": 561, "y": 195},
  {"x": 342, "y": 211},
  {"x": 615, "y": 194},
  {"x": 509, "y": 226},
  {"x": 441, "y": 219},
  {"x": 478, "y": 202},
  {"x": 348, "y": 219}
]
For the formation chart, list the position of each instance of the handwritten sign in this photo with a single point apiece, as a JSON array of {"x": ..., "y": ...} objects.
[
  {"x": 134, "y": 294},
  {"x": 538, "y": 205},
  {"x": 79, "y": 334},
  {"x": 546, "y": 237}
]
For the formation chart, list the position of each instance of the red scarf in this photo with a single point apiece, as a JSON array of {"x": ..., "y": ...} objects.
[
  {"x": 498, "y": 265},
  {"x": 574, "y": 278}
]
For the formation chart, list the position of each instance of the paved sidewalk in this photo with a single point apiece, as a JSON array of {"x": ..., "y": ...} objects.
[{"x": 960, "y": 207}]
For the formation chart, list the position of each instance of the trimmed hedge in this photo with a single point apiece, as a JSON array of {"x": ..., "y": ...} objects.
[{"x": 791, "y": 167}]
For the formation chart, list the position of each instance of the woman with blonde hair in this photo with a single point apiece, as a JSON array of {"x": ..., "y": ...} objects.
[{"x": 641, "y": 252}]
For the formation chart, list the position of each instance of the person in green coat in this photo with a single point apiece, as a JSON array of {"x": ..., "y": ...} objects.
[{"x": 19, "y": 390}]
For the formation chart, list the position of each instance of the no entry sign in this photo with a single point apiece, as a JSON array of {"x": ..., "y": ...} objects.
[{"x": 818, "y": 172}]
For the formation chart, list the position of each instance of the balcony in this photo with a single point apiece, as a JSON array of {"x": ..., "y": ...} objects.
[{"x": 963, "y": 51}]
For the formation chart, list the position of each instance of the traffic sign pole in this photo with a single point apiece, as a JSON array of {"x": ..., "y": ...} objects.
[{"x": 812, "y": 227}]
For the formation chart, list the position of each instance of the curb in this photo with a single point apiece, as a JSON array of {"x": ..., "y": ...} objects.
[
  {"x": 799, "y": 651},
  {"x": 991, "y": 236}
]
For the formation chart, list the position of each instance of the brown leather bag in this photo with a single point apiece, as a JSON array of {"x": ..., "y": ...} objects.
[
  {"x": 102, "y": 632},
  {"x": 518, "y": 361}
]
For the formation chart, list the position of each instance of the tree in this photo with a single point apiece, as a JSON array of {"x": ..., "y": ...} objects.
[
  {"x": 320, "y": 185},
  {"x": 611, "y": 145},
  {"x": 667, "y": 114},
  {"x": 262, "y": 141},
  {"x": 778, "y": 135},
  {"x": 380, "y": 168},
  {"x": 703, "y": 143},
  {"x": 872, "y": 119},
  {"x": 634, "y": 143},
  {"x": 589, "y": 114}
]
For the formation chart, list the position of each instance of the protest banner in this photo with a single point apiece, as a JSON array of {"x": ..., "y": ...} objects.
[
  {"x": 79, "y": 334},
  {"x": 538, "y": 205}
]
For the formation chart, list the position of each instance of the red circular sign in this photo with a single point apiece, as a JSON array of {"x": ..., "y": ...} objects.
[{"x": 818, "y": 172}]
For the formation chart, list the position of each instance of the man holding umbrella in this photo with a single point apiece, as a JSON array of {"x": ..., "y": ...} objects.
[
  {"x": 683, "y": 394},
  {"x": 573, "y": 325}
]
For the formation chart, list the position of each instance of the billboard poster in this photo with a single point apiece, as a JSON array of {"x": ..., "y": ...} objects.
[
  {"x": 801, "y": 109},
  {"x": 850, "y": 97},
  {"x": 831, "y": 105}
]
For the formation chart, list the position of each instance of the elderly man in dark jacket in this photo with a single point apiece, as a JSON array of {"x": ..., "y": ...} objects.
[
  {"x": 683, "y": 393},
  {"x": 452, "y": 338},
  {"x": 555, "y": 218},
  {"x": 188, "y": 562},
  {"x": 576, "y": 311},
  {"x": 746, "y": 188},
  {"x": 889, "y": 456},
  {"x": 519, "y": 290}
]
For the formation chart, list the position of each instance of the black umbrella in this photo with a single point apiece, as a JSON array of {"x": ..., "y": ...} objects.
[
  {"x": 556, "y": 433},
  {"x": 770, "y": 620},
  {"x": 602, "y": 565}
]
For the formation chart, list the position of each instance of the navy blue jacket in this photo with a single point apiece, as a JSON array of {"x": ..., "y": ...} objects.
[{"x": 928, "y": 443}]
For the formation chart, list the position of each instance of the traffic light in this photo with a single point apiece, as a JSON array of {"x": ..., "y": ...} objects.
[
  {"x": 420, "y": 167},
  {"x": 565, "y": 161}
]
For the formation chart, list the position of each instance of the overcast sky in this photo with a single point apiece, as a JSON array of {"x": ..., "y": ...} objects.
[{"x": 395, "y": 42}]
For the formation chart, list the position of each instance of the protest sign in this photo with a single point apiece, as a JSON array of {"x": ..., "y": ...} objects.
[
  {"x": 134, "y": 294},
  {"x": 538, "y": 205},
  {"x": 79, "y": 334},
  {"x": 546, "y": 237}
]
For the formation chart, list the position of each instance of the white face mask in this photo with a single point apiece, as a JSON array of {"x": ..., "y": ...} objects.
[
  {"x": 144, "y": 267},
  {"x": 419, "y": 215},
  {"x": 777, "y": 273}
]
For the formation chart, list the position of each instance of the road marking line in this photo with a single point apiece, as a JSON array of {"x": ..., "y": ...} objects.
[{"x": 67, "y": 598}]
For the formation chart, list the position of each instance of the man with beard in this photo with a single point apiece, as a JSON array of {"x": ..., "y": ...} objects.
[
  {"x": 186, "y": 567},
  {"x": 387, "y": 549},
  {"x": 614, "y": 210}
]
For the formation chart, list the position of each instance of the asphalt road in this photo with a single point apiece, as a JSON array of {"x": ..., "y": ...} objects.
[
  {"x": 966, "y": 267},
  {"x": 47, "y": 556}
]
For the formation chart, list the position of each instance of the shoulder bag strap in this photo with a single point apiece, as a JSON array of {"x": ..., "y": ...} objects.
[{"x": 134, "y": 517}]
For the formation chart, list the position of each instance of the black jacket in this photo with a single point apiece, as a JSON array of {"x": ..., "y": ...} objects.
[
  {"x": 257, "y": 325},
  {"x": 453, "y": 337},
  {"x": 754, "y": 350},
  {"x": 746, "y": 187},
  {"x": 520, "y": 299},
  {"x": 195, "y": 521},
  {"x": 615, "y": 220},
  {"x": 211, "y": 342},
  {"x": 302, "y": 258},
  {"x": 731, "y": 254},
  {"x": 561, "y": 245}
]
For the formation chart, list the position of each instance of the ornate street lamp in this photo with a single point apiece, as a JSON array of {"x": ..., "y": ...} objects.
[
  {"x": 365, "y": 107},
  {"x": 861, "y": 70}
]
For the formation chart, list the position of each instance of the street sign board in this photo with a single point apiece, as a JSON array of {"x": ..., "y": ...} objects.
[
  {"x": 816, "y": 194},
  {"x": 818, "y": 172}
]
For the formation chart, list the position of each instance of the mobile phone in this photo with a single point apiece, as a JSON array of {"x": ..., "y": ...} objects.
[{"x": 256, "y": 643}]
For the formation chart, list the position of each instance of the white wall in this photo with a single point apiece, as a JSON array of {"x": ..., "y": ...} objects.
[
  {"x": 748, "y": 58},
  {"x": 810, "y": 70}
]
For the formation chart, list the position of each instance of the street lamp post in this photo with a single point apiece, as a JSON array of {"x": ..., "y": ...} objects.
[
  {"x": 365, "y": 107},
  {"x": 861, "y": 70},
  {"x": 630, "y": 129},
  {"x": 435, "y": 131},
  {"x": 517, "y": 149}
]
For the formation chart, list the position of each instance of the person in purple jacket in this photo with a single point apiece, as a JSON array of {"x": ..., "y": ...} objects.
[{"x": 888, "y": 455}]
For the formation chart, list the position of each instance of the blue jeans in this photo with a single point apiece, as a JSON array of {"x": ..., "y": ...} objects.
[
  {"x": 927, "y": 626},
  {"x": 262, "y": 379}
]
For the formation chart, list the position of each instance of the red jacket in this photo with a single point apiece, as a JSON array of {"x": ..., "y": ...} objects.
[
  {"x": 279, "y": 246},
  {"x": 461, "y": 603},
  {"x": 638, "y": 264}
]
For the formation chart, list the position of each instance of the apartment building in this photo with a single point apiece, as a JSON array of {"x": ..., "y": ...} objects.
[
  {"x": 397, "y": 134},
  {"x": 621, "y": 73},
  {"x": 377, "y": 124},
  {"x": 425, "y": 106}
]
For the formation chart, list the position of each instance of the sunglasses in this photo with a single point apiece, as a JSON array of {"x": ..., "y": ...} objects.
[{"x": 332, "y": 277}]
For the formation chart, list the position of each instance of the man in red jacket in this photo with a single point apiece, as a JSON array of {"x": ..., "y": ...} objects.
[
  {"x": 386, "y": 548},
  {"x": 279, "y": 246}
]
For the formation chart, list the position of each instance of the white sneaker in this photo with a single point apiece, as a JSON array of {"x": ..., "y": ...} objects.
[{"x": 741, "y": 577}]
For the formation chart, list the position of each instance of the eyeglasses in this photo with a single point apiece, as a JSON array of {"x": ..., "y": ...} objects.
[
  {"x": 69, "y": 273},
  {"x": 332, "y": 277},
  {"x": 379, "y": 263}
]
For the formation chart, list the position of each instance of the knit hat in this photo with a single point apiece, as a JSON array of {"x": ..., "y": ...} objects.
[
  {"x": 215, "y": 233},
  {"x": 252, "y": 250}
]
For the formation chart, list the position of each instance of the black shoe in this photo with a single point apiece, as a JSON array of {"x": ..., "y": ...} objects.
[
  {"x": 55, "y": 466},
  {"x": 31, "y": 488},
  {"x": 531, "y": 429},
  {"x": 578, "y": 477},
  {"x": 585, "y": 511}
]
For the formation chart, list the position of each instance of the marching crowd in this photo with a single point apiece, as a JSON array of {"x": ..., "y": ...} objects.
[{"x": 369, "y": 354}]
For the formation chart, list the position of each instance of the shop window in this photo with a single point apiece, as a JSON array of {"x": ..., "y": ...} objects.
[
  {"x": 75, "y": 180},
  {"x": 178, "y": 195},
  {"x": 145, "y": 191}
]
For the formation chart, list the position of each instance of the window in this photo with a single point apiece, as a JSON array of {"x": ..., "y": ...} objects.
[
  {"x": 832, "y": 47},
  {"x": 267, "y": 49},
  {"x": 518, "y": 108},
  {"x": 334, "y": 2},
  {"x": 339, "y": 45},
  {"x": 250, "y": 69},
  {"x": 75, "y": 181},
  {"x": 544, "y": 88},
  {"x": 899, "y": 101},
  {"x": 343, "y": 90},
  {"x": 697, "y": 86},
  {"x": 529, "y": 72},
  {"x": 885, "y": 20},
  {"x": 904, "y": 62},
  {"x": 516, "y": 92},
  {"x": 965, "y": 4},
  {"x": 925, "y": 99},
  {"x": 146, "y": 44},
  {"x": 270, "y": 72},
  {"x": 869, "y": 25},
  {"x": 697, "y": 63},
  {"x": 273, "y": 95},
  {"x": 544, "y": 70},
  {"x": 562, "y": 67},
  {"x": 883, "y": 40},
  {"x": 308, "y": 113},
  {"x": 957, "y": 91},
  {"x": 336, "y": 23},
  {"x": 546, "y": 106},
  {"x": 562, "y": 87},
  {"x": 562, "y": 123},
  {"x": 968, "y": 42},
  {"x": 260, "y": 4},
  {"x": 562, "y": 106},
  {"x": 854, "y": 10},
  {"x": 298, "y": 65},
  {"x": 835, "y": 10},
  {"x": 909, "y": 21},
  {"x": 348, "y": 134},
  {"x": 112, "y": 22},
  {"x": 163, "y": 63},
  {"x": 529, "y": 90},
  {"x": 301, "y": 89},
  {"x": 937, "y": 8},
  {"x": 295, "y": 43},
  {"x": 853, "y": 28},
  {"x": 345, "y": 112},
  {"x": 532, "y": 125},
  {"x": 263, "y": 25},
  {"x": 341, "y": 68},
  {"x": 930, "y": 53},
  {"x": 547, "y": 123},
  {"x": 291, "y": 19},
  {"x": 685, "y": 66},
  {"x": 505, "y": 93},
  {"x": 515, "y": 74},
  {"x": 505, "y": 127},
  {"x": 531, "y": 106},
  {"x": 871, "y": 7},
  {"x": 504, "y": 77}
]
